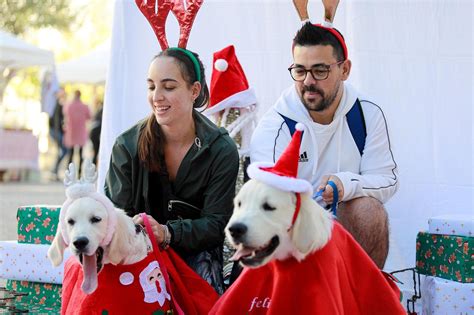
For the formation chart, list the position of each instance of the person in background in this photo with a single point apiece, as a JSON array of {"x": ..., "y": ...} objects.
[
  {"x": 178, "y": 167},
  {"x": 346, "y": 141},
  {"x": 56, "y": 125},
  {"x": 94, "y": 133},
  {"x": 76, "y": 115}
]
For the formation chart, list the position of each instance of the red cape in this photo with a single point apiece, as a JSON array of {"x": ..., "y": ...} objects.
[
  {"x": 338, "y": 279},
  {"x": 114, "y": 296}
]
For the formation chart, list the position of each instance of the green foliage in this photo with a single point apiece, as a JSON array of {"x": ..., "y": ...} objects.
[{"x": 20, "y": 16}]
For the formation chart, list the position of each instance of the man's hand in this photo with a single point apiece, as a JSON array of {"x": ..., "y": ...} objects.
[
  {"x": 328, "y": 191},
  {"x": 158, "y": 229}
]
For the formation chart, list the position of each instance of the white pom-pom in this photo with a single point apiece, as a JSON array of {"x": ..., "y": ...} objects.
[
  {"x": 221, "y": 65},
  {"x": 299, "y": 126}
]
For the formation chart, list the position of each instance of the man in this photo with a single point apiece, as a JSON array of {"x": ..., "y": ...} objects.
[{"x": 346, "y": 139}]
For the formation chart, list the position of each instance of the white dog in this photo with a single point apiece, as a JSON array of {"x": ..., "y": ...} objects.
[
  {"x": 104, "y": 240},
  {"x": 260, "y": 228},
  {"x": 86, "y": 225},
  {"x": 299, "y": 264}
]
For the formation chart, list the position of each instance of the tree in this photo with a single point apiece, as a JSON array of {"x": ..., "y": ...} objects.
[{"x": 21, "y": 16}]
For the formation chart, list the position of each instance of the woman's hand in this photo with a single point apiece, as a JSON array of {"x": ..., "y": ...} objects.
[{"x": 158, "y": 229}]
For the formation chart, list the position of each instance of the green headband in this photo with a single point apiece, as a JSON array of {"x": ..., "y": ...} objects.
[{"x": 193, "y": 59}]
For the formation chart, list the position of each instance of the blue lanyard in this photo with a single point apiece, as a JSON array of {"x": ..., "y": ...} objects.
[{"x": 335, "y": 198}]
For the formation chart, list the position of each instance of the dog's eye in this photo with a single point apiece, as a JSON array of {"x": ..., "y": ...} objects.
[
  {"x": 239, "y": 204},
  {"x": 267, "y": 207},
  {"x": 95, "y": 219},
  {"x": 70, "y": 222},
  {"x": 138, "y": 228}
]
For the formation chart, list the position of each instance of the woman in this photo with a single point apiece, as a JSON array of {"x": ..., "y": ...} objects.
[{"x": 177, "y": 166}]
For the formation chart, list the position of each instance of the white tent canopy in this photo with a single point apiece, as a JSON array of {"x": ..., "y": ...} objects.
[
  {"x": 16, "y": 53},
  {"x": 90, "y": 68}
]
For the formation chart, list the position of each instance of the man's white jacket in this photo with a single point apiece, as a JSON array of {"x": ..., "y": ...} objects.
[{"x": 331, "y": 149}]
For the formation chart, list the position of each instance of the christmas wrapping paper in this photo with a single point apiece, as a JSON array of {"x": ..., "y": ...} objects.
[
  {"x": 462, "y": 225},
  {"x": 40, "y": 295},
  {"x": 29, "y": 262},
  {"x": 445, "y": 256},
  {"x": 445, "y": 297},
  {"x": 37, "y": 224}
]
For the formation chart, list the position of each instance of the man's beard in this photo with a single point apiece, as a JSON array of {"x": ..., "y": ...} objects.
[{"x": 317, "y": 106}]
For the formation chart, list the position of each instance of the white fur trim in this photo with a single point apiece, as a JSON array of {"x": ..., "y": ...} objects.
[
  {"x": 244, "y": 98},
  {"x": 299, "y": 126},
  {"x": 281, "y": 182}
]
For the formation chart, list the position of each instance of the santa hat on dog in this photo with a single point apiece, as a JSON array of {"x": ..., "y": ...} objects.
[
  {"x": 282, "y": 175},
  {"x": 229, "y": 86}
]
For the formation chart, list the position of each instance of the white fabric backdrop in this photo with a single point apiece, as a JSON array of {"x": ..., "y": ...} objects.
[{"x": 415, "y": 58}]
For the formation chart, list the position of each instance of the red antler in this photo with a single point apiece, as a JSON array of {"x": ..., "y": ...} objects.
[{"x": 156, "y": 12}]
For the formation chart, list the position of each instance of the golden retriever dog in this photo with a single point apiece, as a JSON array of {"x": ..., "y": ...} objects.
[
  {"x": 299, "y": 264},
  {"x": 260, "y": 230},
  {"x": 96, "y": 232},
  {"x": 115, "y": 268}
]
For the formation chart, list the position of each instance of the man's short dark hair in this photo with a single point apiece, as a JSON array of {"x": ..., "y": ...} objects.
[{"x": 312, "y": 35}]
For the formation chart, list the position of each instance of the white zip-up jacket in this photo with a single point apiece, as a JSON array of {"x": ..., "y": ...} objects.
[{"x": 331, "y": 149}]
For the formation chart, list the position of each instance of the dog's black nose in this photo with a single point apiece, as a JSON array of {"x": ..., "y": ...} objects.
[
  {"x": 237, "y": 230},
  {"x": 81, "y": 243}
]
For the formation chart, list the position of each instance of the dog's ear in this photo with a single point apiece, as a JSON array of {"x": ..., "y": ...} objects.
[
  {"x": 119, "y": 245},
  {"x": 56, "y": 250},
  {"x": 312, "y": 229}
]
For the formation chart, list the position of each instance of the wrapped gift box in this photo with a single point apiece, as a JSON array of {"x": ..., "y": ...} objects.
[
  {"x": 40, "y": 294},
  {"x": 442, "y": 297},
  {"x": 37, "y": 224},
  {"x": 29, "y": 262},
  {"x": 462, "y": 225},
  {"x": 446, "y": 256}
]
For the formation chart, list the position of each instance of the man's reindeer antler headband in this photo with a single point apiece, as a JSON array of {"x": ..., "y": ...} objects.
[
  {"x": 330, "y": 7},
  {"x": 156, "y": 12}
]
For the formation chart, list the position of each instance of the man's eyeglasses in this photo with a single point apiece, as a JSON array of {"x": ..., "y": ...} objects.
[{"x": 319, "y": 72}]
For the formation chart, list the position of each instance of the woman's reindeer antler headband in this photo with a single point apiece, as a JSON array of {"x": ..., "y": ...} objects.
[
  {"x": 156, "y": 12},
  {"x": 330, "y": 7}
]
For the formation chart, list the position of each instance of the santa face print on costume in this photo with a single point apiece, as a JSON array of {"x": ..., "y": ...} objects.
[
  {"x": 149, "y": 278},
  {"x": 170, "y": 96},
  {"x": 320, "y": 95}
]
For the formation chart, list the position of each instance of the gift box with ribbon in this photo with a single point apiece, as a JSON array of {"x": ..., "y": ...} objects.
[
  {"x": 441, "y": 296},
  {"x": 37, "y": 224},
  {"x": 462, "y": 225},
  {"x": 445, "y": 256},
  {"x": 46, "y": 296},
  {"x": 28, "y": 262}
]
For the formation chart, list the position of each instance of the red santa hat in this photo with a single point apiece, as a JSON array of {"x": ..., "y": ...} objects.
[
  {"x": 282, "y": 175},
  {"x": 229, "y": 86}
]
